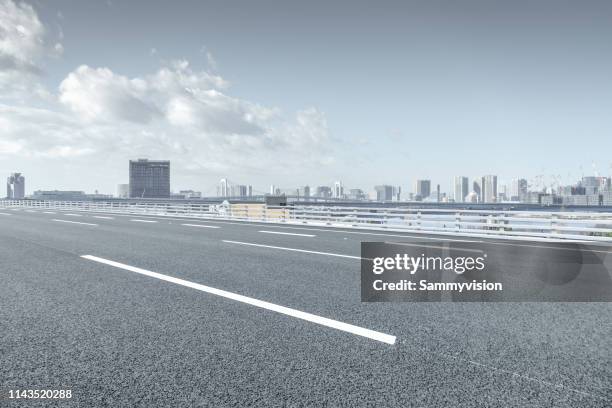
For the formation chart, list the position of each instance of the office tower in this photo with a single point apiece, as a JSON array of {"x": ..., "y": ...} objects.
[
  {"x": 223, "y": 189},
  {"x": 250, "y": 190},
  {"x": 384, "y": 193},
  {"x": 423, "y": 188},
  {"x": 306, "y": 192},
  {"x": 273, "y": 189},
  {"x": 438, "y": 193},
  {"x": 518, "y": 189},
  {"x": 476, "y": 187},
  {"x": 15, "y": 186},
  {"x": 338, "y": 190},
  {"x": 489, "y": 189},
  {"x": 462, "y": 189},
  {"x": 149, "y": 178},
  {"x": 123, "y": 190},
  {"x": 398, "y": 193}
]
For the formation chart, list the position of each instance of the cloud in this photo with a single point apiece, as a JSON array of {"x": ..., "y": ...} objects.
[
  {"x": 23, "y": 45},
  {"x": 102, "y": 118}
]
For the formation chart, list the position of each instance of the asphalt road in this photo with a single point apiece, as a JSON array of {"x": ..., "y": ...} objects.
[{"x": 119, "y": 338}]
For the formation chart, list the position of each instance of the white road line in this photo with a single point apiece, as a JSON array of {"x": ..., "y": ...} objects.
[
  {"x": 5, "y": 214},
  {"x": 15, "y": 209},
  {"x": 135, "y": 220},
  {"x": 102, "y": 217},
  {"x": 75, "y": 222},
  {"x": 349, "y": 328},
  {"x": 49, "y": 212},
  {"x": 31, "y": 211},
  {"x": 287, "y": 233},
  {"x": 74, "y": 215},
  {"x": 293, "y": 249},
  {"x": 200, "y": 225}
]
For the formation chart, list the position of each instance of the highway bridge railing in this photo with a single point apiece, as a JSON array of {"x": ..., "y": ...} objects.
[{"x": 570, "y": 225}]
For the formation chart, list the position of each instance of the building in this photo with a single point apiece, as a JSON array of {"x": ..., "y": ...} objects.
[
  {"x": 357, "y": 194},
  {"x": 306, "y": 192},
  {"x": 324, "y": 192},
  {"x": 462, "y": 189},
  {"x": 223, "y": 188},
  {"x": 489, "y": 189},
  {"x": 149, "y": 178},
  {"x": 518, "y": 189},
  {"x": 15, "y": 186},
  {"x": 384, "y": 193},
  {"x": 190, "y": 194},
  {"x": 123, "y": 190},
  {"x": 423, "y": 188},
  {"x": 338, "y": 190}
]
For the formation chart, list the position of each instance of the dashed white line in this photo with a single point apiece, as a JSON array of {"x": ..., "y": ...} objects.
[
  {"x": 74, "y": 215},
  {"x": 5, "y": 214},
  {"x": 31, "y": 211},
  {"x": 200, "y": 225},
  {"x": 136, "y": 220},
  {"x": 349, "y": 328},
  {"x": 292, "y": 249},
  {"x": 49, "y": 212},
  {"x": 75, "y": 222},
  {"x": 103, "y": 217},
  {"x": 287, "y": 233}
]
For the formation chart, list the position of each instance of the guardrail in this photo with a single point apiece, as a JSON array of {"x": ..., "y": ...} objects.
[{"x": 588, "y": 226}]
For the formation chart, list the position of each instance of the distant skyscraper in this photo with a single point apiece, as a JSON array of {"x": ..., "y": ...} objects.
[
  {"x": 518, "y": 189},
  {"x": 123, "y": 190},
  {"x": 477, "y": 189},
  {"x": 461, "y": 189},
  {"x": 149, "y": 178},
  {"x": 338, "y": 190},
  {"x": 489, "y": 189},
  {"x": 223, "y": 188},
  {"x": 324, "y": 192},
  {"x": 384, "y": 193},
  {"x": 423, "y": 188},
  {"x": 15, "y": 186},
  {"x": 306, "y": 192}
]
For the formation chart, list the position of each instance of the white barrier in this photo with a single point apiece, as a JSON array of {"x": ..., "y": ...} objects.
[{"x": 591, "y": 226}]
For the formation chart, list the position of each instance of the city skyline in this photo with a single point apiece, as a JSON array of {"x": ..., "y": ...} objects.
[{"x": 219, "y": 97}]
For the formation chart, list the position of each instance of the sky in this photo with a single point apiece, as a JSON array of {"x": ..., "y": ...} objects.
[{"x": 293, "y": 93}]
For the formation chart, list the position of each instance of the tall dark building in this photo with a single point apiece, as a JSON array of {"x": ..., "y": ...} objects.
[{"x": 149, "y": 178}]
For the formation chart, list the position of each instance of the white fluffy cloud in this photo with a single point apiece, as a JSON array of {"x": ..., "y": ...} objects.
[
  {"x": 102, "y": 118},
  {"x": 23, "y": 45}
]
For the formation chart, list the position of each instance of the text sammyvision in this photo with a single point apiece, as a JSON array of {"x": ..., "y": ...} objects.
[{"x": 419, "y": 265}]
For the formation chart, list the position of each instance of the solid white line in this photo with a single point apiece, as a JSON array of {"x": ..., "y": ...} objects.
[
  {"x": 349, "y": 328},
  {"x": 201, "y": 225},
  {"x": 102, "y": 217},
  {"x": 74, "y": 215},
  {"x": 5, "y": 214},
  {"x": 287, "y": 233},
  {"x": 292, "y": 249},
  {"x": 135, "y": 220},
  {"x": 75, "y": 222},
  {"x": 49, "y": 212}
]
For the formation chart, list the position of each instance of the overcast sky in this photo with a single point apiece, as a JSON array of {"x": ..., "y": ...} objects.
[{"x": 292, "y": 93}]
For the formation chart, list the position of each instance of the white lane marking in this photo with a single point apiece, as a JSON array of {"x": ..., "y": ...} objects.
[
  {"x": 15, "y": 209},
  {"x": 49, "y": 212},
  {"x": 349, "y": 328},
  {"x": 287, "y": 233},
  {"x": 293, "y": 249},
  {"x": 5, "y": 214},
  {"x": 136, "y": 220},
  {"x": 75, "y": 222},
  {"x": 102, "y": 217},
  {"x": 201, "y": 225},
  {"x": 31, "y": 211},
  {"x": 74, "y": 215}
]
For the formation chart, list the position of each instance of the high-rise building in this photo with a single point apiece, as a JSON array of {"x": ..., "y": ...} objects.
[
  {"x": 518, "y": 189},
  {"x": 149, "y": 178},
  {"x": 15, "y": 186},
  {"x": 423, "y": 188},
  {"x": 384, "y": 193},
  {"x": 123, "y": 190},
  {"x": 461, "y": 189},
  {"x": 338, "y": 190},
  {"x": 324, "y": 191},
  {"x": 489, "y": 189},
  {"x": 223, "y": 188},
  {"x": 477, "y": 189},
  {"x": 306, "y": 193}
]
